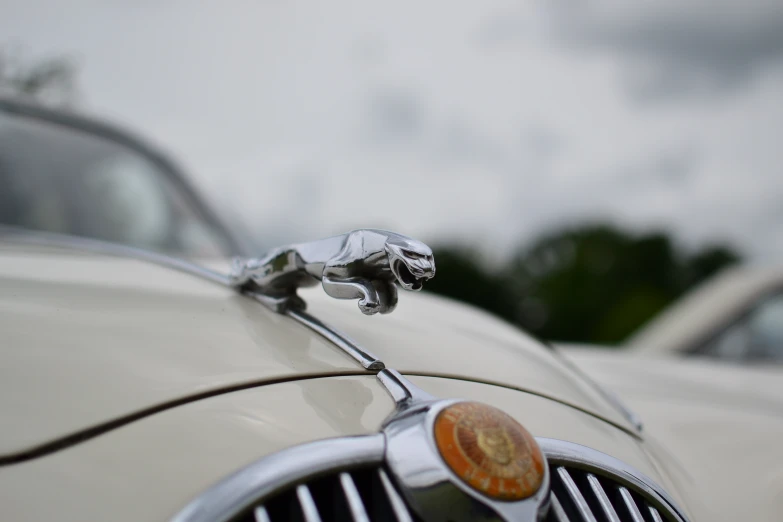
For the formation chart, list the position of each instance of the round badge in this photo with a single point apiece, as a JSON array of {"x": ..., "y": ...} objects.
[{"x": 489, "y": 450}]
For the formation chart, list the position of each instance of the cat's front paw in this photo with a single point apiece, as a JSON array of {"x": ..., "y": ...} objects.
[
  {"x": 237, "y": 276},
  {"x": 369, "y": 307}
]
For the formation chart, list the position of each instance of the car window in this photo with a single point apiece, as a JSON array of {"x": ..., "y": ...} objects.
[
  {"x": 758, "y": 336},
  {"x": 60, "y": 179}
]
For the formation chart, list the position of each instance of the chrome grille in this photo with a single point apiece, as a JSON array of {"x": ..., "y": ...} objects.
[
  {"x": 358, "y": 495},
  {"x": 581, "y": 496},
  {"x": 347, "y": 479}
]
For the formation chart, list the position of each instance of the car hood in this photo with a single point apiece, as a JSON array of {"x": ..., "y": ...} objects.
[
  {"x": 701, "y": 381},
  {"x": 721, "y": 422},
  {"x": 91, "y": 341}
]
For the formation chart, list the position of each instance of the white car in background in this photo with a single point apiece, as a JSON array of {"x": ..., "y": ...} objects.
[{"x": 736, "y": 316}]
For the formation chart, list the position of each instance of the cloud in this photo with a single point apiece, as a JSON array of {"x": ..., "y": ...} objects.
[
  {"x": 676, "y": 49},
  {"x": 394, "y": 115},
  {"x": 446, "y": 125}
]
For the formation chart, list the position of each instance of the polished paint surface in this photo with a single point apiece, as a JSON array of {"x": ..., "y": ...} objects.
[
  {"x": 723, "y": 423},
  {"x": 150, "y": 469},
  {"x": 430, "y": 335},
  {"x": 88, "y": 339}
]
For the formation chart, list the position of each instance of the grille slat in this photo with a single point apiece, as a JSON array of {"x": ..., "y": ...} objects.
[
  {"x": 556, "y": 510},
  {"x": 364, "y": 494},
  {"x": 630, "y": 504},
  {"x": 603, "y": 498},
  {"x": 261, "y": 515},
  {"x": 579, "y": 495},
  {"x": 355, "y": 503},
  {"x": 309, "y": 511},
  {"x": 576, "y": 496},
  {"x": 368, "y": 493},
  {"x": 398, "y": 505}
]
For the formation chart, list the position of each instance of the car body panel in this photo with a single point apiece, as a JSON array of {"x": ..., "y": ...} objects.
[
  {"x": 168, "y": 458},
  {"x": 431, "y": 335},
  {"x": 115, "y": 337},
  {"x": 88, "y": 339},
  {"x": 721, "y": 422},
  {"x": 696, "y": 380}
]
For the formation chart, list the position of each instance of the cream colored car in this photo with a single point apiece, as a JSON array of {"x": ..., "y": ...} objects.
[
  {"x": 141, "y": 387},
  {"x": 736, "y": 316}
]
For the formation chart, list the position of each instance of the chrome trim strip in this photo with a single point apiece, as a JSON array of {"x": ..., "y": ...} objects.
[
  {"x": 355, "y": 503},
  {"x": 307, "y": 504},
  {"x": 236, "y": 493},
  {"x": 555, "y": 506},
  {"x": 633, "y": 509},
  {"x": 403, "y": 392},
  {"x": 397, "y": 504},
  {"x": 630, "y": 415},
  {"x": 624, "y": 410},
  {"x": 576, "y": 495},
  {"x": 655, "y": 515},
  {"x": 368, "y": 360},
  {"x": 559, "y": 452},
  {"x": 603, "y": 499},
  {"x": 261, "y": 515}
]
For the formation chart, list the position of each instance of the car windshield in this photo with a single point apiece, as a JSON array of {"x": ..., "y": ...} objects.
[{"x": 58, "y": 178}]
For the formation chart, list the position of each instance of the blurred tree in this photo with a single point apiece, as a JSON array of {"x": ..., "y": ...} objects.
[
  {"x": 593, "y": 284},
  {"x": 51, "y": 81},
  {"x": 708, "y": 261},
  {"x": 461, "y": 275}
]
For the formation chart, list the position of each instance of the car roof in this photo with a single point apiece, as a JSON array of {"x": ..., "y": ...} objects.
[
  {"x": 707, "y": 309},
  {"x": 68, "y": 118}
]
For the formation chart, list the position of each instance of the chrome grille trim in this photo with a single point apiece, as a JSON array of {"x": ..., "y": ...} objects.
[
  {"x": 348, "y": 479},
  {"x": 633, "y": 509},
  {"x": 556, "y": 509},
  {"x": 306, "y": 502},
  {"x": 355, "y": 503},
  {"x": 582, "y": 461},
  {"x": 576, "y": 495},
  {"x": 261, "y": 515},
  {"x": 397, "y": 503},
  {"x": 584, "y": 497},
  {"x": 263, "y": 478},
  {"x": 345, "y": 501},
  {"x": 603, "y": 499}
]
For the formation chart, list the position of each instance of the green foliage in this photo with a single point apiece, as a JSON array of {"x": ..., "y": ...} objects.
[
  {"x": 593, "y": 284},
  {"x": 461, "y": 275}
]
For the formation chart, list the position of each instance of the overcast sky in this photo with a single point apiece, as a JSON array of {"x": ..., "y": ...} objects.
[{"x": 480, "y": 122}]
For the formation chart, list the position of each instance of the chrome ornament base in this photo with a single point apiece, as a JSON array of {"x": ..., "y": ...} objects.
[{"x": 429, "y": 485}]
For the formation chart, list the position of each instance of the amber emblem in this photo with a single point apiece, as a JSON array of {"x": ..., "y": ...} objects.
[{"x": 489, "y": 450}]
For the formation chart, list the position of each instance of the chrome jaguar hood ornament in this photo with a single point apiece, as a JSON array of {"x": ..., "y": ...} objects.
[{"x": 363, "y": 264}]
